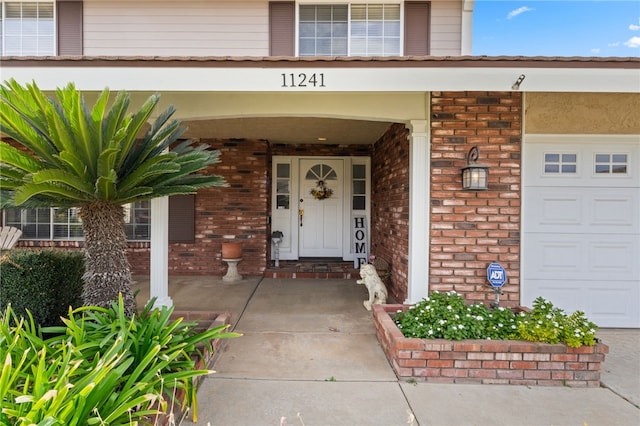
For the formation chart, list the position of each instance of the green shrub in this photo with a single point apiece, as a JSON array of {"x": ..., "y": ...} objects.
[
  {"x": 446, "y": 316},
  {"x": 44, "y": 282},
  {"x": 546, "y": 323},
  {"x": 100, "y": 368}
]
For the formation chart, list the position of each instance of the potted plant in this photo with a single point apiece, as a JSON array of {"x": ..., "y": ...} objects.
[{"x": 232, "y": 249}]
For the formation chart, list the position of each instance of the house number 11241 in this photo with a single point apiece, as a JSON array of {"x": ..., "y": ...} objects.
[{"x": 302, "y": 80}]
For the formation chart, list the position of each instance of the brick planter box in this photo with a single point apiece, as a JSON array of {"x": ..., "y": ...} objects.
[{"x": 512, "y": 362}]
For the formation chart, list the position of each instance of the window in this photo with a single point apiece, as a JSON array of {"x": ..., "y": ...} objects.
[
  {"x": 27, "y": 28},
  {"x": 58, "y": 223},
  {"x": 323, "y": 30},
  {"x": 359, "y": 186},
  {"x": 137, "y": 220},
  {"x": 375, "y": 29},
  {"x": 283, "y": 186},
  {"x": 610, "y": 164},
  {"x": 560, "y": 163},
  {"x": 343, "y": 30}
]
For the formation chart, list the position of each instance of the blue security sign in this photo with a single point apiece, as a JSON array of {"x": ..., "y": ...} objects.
[{"x": 496, "y": 275}]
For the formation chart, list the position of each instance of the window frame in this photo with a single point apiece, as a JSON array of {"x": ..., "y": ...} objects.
[
  {"x": 54, "y": 30},
  {"x": 401, "y": 30},
  {"x": 52, "y": 223},
  {"x": 611, "y": 164}
]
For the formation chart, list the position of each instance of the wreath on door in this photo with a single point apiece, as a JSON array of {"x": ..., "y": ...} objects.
[{"x": 321, "y": 192}]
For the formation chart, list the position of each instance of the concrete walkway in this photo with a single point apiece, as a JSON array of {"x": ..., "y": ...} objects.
[{"x": 309, "y": 356}]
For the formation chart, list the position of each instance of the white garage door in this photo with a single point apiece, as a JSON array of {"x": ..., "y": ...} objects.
[{"x": 581, "y": 226}]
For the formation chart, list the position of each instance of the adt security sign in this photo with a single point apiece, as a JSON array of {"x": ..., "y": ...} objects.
[{"x": 496, "y": 275}]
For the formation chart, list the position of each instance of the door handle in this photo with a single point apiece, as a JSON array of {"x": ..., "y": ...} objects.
[{"x": 300, "y": 214}]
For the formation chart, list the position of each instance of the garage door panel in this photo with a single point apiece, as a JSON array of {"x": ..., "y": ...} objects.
[
  {"x": 614, "y": 259},
  {"x": 617, "y": 209},
  {"x": 610, "y": 307},
  {"x": 606, "y": 304},
  {"x": 582, "y": 210},
  {"x": 593, "y": 257}
]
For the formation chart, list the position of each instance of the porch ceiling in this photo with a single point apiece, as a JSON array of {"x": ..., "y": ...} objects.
[{"x": 290, "y": 130}]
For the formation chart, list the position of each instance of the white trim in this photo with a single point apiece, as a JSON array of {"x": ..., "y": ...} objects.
[
  {"x": 374, "y": 79},
  {"x": 159, "y": 267},
  {"x": 419, "y": 212},
  {"x": 466, "y": 38},
  {"x": 580, "y": 139}
]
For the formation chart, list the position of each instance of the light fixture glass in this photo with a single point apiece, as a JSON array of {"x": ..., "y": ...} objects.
[{"x": 475, "y": 177}]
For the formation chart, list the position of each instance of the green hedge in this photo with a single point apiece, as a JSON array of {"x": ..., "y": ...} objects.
[{"x": 45, "y": 282}]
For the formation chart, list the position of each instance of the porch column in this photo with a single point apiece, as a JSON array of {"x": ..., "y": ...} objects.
[
  {"x": 159, "y": 276},
  {"x": 419, "y": 218}
]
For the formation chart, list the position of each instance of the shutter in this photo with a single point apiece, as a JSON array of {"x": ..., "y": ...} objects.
[
  {"x": 417, "y": 17},
  {"x": 70, "y": 28},
  {"x": 182, "y": 218},
  {"x": 281, "y": 28}
]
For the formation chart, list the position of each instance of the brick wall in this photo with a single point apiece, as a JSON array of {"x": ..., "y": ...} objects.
[
  {"x": 390, "y": 206},
  {"x": 470, "y": 229},
  {"x": 238, "y": 211},
  {"x": 511, "y": 362}
]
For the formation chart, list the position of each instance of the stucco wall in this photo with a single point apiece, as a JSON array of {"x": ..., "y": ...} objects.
[{"x": 582, "y": 113}]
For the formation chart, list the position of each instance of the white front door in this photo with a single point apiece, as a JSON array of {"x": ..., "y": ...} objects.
[{"x": 320, "y": 207}]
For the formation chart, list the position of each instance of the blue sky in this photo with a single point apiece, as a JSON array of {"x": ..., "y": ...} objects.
[{"x": 557, "y": 28}]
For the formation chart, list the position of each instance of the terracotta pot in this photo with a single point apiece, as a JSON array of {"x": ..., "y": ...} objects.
[{"x": 232, "y": 250}]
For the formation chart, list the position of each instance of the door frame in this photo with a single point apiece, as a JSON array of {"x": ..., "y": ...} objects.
[{"x": 284, "y": 216}]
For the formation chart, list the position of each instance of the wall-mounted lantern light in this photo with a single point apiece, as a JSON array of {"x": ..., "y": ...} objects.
[{"x": 475, "y": 176}]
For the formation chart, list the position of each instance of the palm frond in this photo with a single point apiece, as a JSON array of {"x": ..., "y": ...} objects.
[
  {"x": 75, "y": 154},
  {"x": 51, "y": 194},
  {"x": 138, "y": 120},
  {"x": 75, "y": 164},
  {"x": 145, "y": 173},
  {"x": 65, "y": 178},
  {"x": 106, "y": 186},
  {"x": 19, "y": 159},
  {"x": 135, "y": 194}
]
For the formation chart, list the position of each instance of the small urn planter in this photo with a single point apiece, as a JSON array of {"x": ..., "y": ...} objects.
[
  {"x": 232, "y": 250},
  {"x": 512, "y": 362},
  {"x": 232, "y": 255}
]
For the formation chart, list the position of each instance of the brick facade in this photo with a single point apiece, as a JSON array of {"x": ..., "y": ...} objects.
[
  {"x": 470, "y": 229},
  {"x": 238, "y": 212},
  {"x": 390, "y": 206}
]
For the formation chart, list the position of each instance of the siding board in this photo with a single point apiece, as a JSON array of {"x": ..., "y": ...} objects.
[
  {"x": 169, "y": 28},
  {"x": 446, "y": 28}
]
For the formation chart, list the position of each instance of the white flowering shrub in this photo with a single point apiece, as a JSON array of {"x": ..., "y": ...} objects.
[{"x": 447, "y": 316}]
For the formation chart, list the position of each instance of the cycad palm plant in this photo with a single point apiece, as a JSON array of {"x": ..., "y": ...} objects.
[{"x": 96, "y": 159}]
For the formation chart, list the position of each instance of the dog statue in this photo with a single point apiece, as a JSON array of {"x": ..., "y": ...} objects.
[{"x": 375, "y": 286}]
